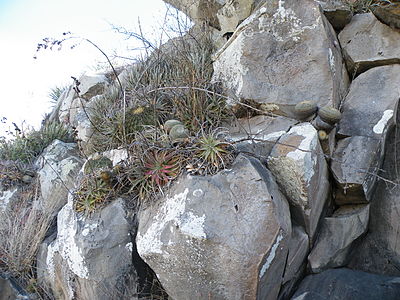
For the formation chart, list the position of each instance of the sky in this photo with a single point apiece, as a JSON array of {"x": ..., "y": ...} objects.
[{"x": 25, "y": 82}]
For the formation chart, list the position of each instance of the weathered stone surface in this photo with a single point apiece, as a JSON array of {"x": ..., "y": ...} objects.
[
  {"x": 90, "y": 255},
  {"x": 355, "y": 165},
  {"x": 299, "y": 166},
  {"x": 7, "y": 197},
  {"x": 337, "y": 12},
  {"x": 348, "y": 284},
  {"x": 296, "y": 261},
  {"x": 284, "y": 53},
  {"x": 222, "y": 237},
  {"x": 379, "y": 251},
  {"x": 369, "y": 107},
  {"x": 233, "y": 13},
  {"x": 388, "y": 12},
  {"x": 368, "y": 43},
  {"x": 58, "y": 166},
  {"x": 259, "y": 134},
  {"x": 337, "y": 235},
  {"x": 9, "y": 289},
  {"x": 200, "y": 10}
]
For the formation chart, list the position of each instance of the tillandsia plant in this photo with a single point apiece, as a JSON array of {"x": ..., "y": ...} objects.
[{"x": 212, "y": 154}]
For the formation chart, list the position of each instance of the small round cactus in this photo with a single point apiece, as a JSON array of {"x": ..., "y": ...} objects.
[
  {"x": 329, "y": 115},
  {"x": 179, "y": 131},
  {"x": 171, "y": 123},
  {"x": 322, "y": 135},
  {"x": 305, "y": 109}
]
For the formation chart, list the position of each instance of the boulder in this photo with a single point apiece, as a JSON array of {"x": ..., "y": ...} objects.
[
  {"x": 388, "y": 12},
  {"x": 259, "y": 134},
  {"x": 200, "y": 10},
  {"x": 299, "y": 166},
  {"x": 337, "y": 235},
  {"x": 219, "y": 237},
  {"x": 379, "y": 251},
  {"x": 368, "y": 43},
  {"x": 91, "y": 255},
  {"x": 284, "y": 53},
  {"x": 337, "y": 12},
  {"x": 355, "y": 169},
  {"x": 348, "y": 284},
  {"x": 371, "y": 103},
  {"x": 58, "y": 167},
  {"x": 7, "y": 197}
]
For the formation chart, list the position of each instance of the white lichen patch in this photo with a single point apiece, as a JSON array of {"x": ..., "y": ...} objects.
[
  {"x": 331, "y": 59},
  {"x": 116, "y": 155},
  {"x": 68, "y": 248},
  {"x": 5, "y": 198},
  {"x": 172, "y": 213},
  {"x": 129, "y": 246},
  {"x": 67, "y": 166},
  {"x": 304, "y": 154},
  {"x": 380, "y": 126},
  {"x": 88, "y": 228},
  {"x": 270, "y": 257},
  {"x": 52, "y": 249}
]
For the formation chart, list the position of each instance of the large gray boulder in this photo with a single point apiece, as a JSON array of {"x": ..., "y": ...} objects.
[
  {"x": 355, "y": 165},
  {"x": 91, "y": 255},
  {"x": 371, "y": 103},
  {"x": 348, "y": 284},
  {"x": 337, "y": 235},
  {"x": 284, "y": 53},
  {"x": 259, "y": 134},
  {"x": 379, "y": 251},
  {"x": 58, "y": 167},
  {"x": 299, "y": 166},
  {"x": 388, "y": 12},
  {"x": 368, "y": 43},
  {"x": 222, "y": 237}
]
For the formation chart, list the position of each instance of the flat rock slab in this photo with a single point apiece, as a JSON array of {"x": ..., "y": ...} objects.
[
  {"x": 284, "y": 53},
  {"x": 221, "y": 237},
  {"x": 348, "y": 284},
  {"x": 368, "y": 43},
  {"x": 337, "y": 235},
  {"x": 298, "y": 164},
  {"x": 370, "y": 107},
  {"x": 355, "y": 165},
  {"x": 259, "y": 134}
]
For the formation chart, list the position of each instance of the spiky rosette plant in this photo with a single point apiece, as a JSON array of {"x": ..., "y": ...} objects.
[{"x": 213, "y": 154}]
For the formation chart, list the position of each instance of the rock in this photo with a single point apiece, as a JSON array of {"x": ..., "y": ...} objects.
[
  {"x": 233, "y": 13},
  {"x": 10, "y": 290},
  {"x": 337, "y": 12},
  {"x": 222, "y": 237},
  {"x": 371, "y": 103},
  {"x": 337, "y": 235},
  {"x": 58, "y": 167},
  {"x": 284, "y": 53},
  {"x": 90, "y": 256},
  {"x": 387, "y": 12},
  {"x": 299, "y": 166},
  {"x": 7, "y": 197},
  {"x": 259, "y": 134},
  {"x": 355, "y": 165},
  {"x": 368, "y": 43},
  {"x": 200, "y": 10},
  {"x": 348, "y": 284},
  {"x": 295, "y": 265},
  {"x": 379, "y": 251}
]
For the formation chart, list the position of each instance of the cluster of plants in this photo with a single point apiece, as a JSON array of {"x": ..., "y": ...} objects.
[
  {"x": 25, "y": 146},
  {"x": 155, "y": 160},
  {"x": 364, "y": 6}
]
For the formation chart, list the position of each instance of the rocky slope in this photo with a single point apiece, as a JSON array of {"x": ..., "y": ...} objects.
[{"x": 309, "y": 207}]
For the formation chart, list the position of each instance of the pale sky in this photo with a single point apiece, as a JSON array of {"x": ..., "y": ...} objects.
[{"x": 26, "y": 82}]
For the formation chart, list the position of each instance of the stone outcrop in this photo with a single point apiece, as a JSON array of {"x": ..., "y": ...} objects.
[
  {"x": 348, "y": 284},
  {"x": 284, "y": 53},
  {"x": 299, "y": 166},
  {"x": 368, "y": 43},
  {"x": 221, "y": 237},
  {"x": 90, "y": 257},
  {"x": 337, "y": 235}
]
